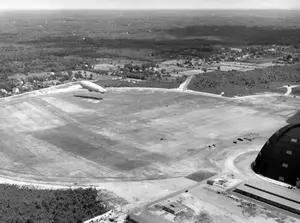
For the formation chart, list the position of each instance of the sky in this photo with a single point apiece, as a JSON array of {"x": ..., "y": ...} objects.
[{"x": 148, "y": 4}]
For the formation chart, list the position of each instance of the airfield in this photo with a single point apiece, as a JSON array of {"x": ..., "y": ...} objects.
[{"x": 138, "y": 143}]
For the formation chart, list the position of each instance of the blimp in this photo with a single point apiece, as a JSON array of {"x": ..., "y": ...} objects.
[{"x": 92, "y": 87}]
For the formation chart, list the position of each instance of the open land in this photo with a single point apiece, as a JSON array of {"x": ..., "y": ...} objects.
[
  {"x": 70, "y": 136},
  {"x": 127, "y": 135},
  {"x": 204, "y": 203},
  {"x": 157, "y": 134},
  {"x": 60, "y": 41},
  {"x": 139, "y": 143}
]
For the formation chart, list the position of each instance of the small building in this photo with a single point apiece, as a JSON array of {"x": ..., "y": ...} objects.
[
  {"x": 174, "y": 208},
  {"x": 15, "y": 90},
  {"x": 3, "y": 91},
  {"x": 236, "y": 49},
  {"x": 27, "y": 87},
  {"x": 210, "y": 182}
]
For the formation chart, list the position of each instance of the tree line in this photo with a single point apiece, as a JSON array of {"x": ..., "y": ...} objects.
[{"x": 25, "y": 205}]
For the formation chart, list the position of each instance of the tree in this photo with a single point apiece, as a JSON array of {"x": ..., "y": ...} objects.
[
  {"x": 219, "y": 68},
  {"x": 136, "y": 67},
  {"x": 204, "y": 70},
  {"x": 53, "y": 70},
  {"x": 18, "y": 220},
  {"x": 58, "y": 74},
  {"x": 30, "y": 79},
  {"x": 78, "y": 75},
  {"x": 64, "y": 78},
  {"x": 91, "y": 76},
  {"x": 289, "y": 57}
]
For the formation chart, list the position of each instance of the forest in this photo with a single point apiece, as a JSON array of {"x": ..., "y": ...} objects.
[
  {"x": 63, "y": 40},
  {"x": 26, "y": 205},
  {"x": 240, "y": 35},
  {"x": 16, "y": 58}
]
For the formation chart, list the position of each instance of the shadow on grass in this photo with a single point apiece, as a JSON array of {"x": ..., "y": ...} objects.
[
  {"x": 295, "y": 119},
  {"x": 201, "y": 175},
  {"x": 88, "y": 97}
]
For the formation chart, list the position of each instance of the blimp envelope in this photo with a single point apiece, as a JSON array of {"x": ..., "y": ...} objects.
[{"x": 92, "y": 86}]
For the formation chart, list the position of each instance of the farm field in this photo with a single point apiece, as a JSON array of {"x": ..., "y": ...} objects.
[{"x": 73, "y": 136}]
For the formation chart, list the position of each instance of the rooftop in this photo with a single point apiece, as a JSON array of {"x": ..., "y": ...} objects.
[{"x": 272, "y": 194}]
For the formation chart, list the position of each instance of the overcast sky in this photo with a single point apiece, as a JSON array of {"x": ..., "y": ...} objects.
[{"x": 149, "y": 4}]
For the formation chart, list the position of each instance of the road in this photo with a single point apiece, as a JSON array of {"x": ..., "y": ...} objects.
[
  {"x": 186, "y": 83},
  {"x": 289, "y": 89}
]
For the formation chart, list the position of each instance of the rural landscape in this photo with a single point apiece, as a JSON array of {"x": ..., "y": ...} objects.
[{"x": 190, "y": 96}]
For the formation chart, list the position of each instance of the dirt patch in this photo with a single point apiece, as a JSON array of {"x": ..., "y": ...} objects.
[
  {"x": 203, "y": 217},
  {"x": 252, "y": 210},
  {"x": 111, "y": 198}
]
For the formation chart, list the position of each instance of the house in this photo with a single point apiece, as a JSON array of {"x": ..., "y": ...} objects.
[
  {"x": 236, "y": 49},
  {"x": 15, "y": 90},
  {"x": 3, "y": 91},
  {"x": 27, "y": 86}
]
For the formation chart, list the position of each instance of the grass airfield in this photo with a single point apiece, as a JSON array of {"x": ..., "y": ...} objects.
[{"x": 75, "y": 136}]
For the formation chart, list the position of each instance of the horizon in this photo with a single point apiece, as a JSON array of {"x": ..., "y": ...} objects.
[
  {"x": 154, "y": 9},
  {"x": 20, "y": 5}
]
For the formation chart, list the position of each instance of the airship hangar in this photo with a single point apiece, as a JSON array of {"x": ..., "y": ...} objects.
[
  {"x": 144, "y": 144},
  {"x": 279, "y": 157}
]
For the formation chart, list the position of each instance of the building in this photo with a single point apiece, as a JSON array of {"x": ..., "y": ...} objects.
[
  {"x": 279, "y": 157},
  {"x": 236, "y": 49},
  {"x": 15, "y": 91},
  {"x": 272, "y": 194},
  {"x": 174, "y": 207},
  {"x": 3, "y": 91}
]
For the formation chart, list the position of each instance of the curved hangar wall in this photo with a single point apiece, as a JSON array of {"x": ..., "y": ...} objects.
[{"x": 279, "y": 159}]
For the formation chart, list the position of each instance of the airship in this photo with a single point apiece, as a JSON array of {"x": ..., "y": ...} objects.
[{"x": 92, "y": 87}]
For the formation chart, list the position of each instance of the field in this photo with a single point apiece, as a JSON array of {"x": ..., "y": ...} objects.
[
  {"x": 73, "y": 136},
  {"x": 237, "y": 83}
]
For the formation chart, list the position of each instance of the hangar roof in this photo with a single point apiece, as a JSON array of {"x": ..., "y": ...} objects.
[{"x": 279, "y": 157}]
